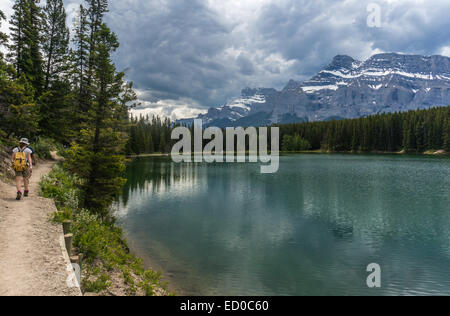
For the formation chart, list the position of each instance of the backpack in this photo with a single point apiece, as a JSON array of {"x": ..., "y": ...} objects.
[{"x": 20, "y": 162}]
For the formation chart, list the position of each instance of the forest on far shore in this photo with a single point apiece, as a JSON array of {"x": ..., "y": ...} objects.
[{"x": 413, "y": 132}]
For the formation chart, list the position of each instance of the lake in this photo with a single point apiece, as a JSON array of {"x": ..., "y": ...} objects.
[{"x": 310, "y": 229}]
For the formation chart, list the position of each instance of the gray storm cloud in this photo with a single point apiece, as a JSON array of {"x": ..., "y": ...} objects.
[{"x": 188, "y": 55}]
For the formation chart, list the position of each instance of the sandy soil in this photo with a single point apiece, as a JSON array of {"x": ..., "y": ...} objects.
[{"x": 31, "y": 259}]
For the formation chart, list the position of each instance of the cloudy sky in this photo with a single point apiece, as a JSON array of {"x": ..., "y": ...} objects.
[{"x": 185, "y": 56}]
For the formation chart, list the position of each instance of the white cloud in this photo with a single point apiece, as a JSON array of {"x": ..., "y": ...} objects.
[
  {"x": 174, "y": 109},
  {"x": 445, "y": 51}
]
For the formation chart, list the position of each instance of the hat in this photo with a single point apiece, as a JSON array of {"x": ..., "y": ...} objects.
[{"x": 24, "y": 141}]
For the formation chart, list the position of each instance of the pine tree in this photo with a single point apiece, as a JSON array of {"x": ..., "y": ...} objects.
[
  {"x": 98, "y": 155},
  {"x": 17, "y": 48},
  {"x": 3, "y": 36},
  {"x": 95, "y": 12},
  {"x": 26, "y": 23},
  {"x": 57, "y": 118},
  {"x": 56, "y": 105},
  {"x": 162, "y": 142},
  {"x": 55, "y": 41},
  {"x": 446, "y": 134},
  {"x": 80, "y": 57},
  {"x": 18, "y": 111}
]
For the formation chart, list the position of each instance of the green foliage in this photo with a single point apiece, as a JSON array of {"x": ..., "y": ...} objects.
[
  {"x": 56, "y": 103},
  {"x": 102, "y": 242},
  {"x": 62, "y": 215},
  {"x": 55, "y": 41},
  {"x": 97, "y": 155},
  {"x": 26, "y": 24},
  {"x": 3, "y": 36},
  {"x": 18, "y": 111},
  {"x": 295, "y": 143},
  {"x": 100, "y": 170},
  {"x": 43, "y": 147},
  {"x": 79, "y": 57},
  {"x": 446, "y": 134},
  {"x": 413, "y": 131},
  {"x": 149, "y": 135},
  {"x": 101, "y": 282},
  {"x": 151, "y": 280},
  {"x": 57, "y": 119},
  {"x": 62, "y": 187}
]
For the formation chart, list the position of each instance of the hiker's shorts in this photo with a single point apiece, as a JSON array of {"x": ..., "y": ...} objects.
[{"x": 25, "y": 174}]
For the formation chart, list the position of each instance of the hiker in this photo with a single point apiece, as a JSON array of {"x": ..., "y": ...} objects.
[
  {"x": 23, "y": 166},
  {"x": 33, "y": 156}
]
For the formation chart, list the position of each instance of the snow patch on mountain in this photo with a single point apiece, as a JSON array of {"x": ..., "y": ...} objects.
[
  {"x": 246, "y": 102},
  {"x": 381, "y": 73},
  {"x": 312, "y": 89}
]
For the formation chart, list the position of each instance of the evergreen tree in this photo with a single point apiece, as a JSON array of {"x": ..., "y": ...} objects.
[
  {"x": 162, "y": 142},
  {"x": 80, "y": 57},
  {"x": 149, "y": 135},
  {"x": 89, "y": 22},
  {"x": 55, "y": 41},
  {"x": 17, "y": 48},
  {"x": 57, "y": 118},
  {"x": 3, "y": 36},
  {"x": 56, "y": 105},
  {"x": 446, "y": 134},
  {"x": 95, "y": 12},
  {"x": 415, "y": 131},
  {"x": 98, "y": 155},
  {"x": 18, "y": 111},
  {"x": 26, "y": 23}
]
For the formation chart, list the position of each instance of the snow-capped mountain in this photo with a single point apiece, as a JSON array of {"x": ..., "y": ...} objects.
[
  {"x": 347, "y": 88},
  {"x": 236, "y": 109}
]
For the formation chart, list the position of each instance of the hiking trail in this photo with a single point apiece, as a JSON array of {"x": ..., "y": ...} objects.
[{"x": 32, "y": 262}]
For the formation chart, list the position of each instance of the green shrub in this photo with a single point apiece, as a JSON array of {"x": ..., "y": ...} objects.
[
  {"x": 295, "y": 143},
  {"x": 43, "y": 147},
  {"x": 61, "y": 216},
  {"x": 101, "y": 283},
  {"x": 62, "y": 187}
]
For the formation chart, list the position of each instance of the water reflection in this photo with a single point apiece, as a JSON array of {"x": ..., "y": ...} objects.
[{"x": 312, "y": 228}]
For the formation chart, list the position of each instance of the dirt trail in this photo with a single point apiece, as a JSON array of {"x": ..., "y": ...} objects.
[{"x": 31, "y": 259}]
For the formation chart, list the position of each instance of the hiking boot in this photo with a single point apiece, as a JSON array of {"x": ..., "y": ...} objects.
[
  {"x": 19, "y": 196},
  {"x": 26, "y": 194}
]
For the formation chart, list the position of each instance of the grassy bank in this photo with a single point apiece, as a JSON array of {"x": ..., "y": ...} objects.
[{"x": 108, "y": 266}]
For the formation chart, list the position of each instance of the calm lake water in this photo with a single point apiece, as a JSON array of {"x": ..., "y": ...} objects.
[{"x": 311, "y": 229}]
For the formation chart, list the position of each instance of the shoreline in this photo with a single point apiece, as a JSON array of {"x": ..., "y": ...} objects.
[
  {"x": 433, "y": 153},
  {"x": 173, "y": 282},
  {"x": 147, "y": 156}
]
